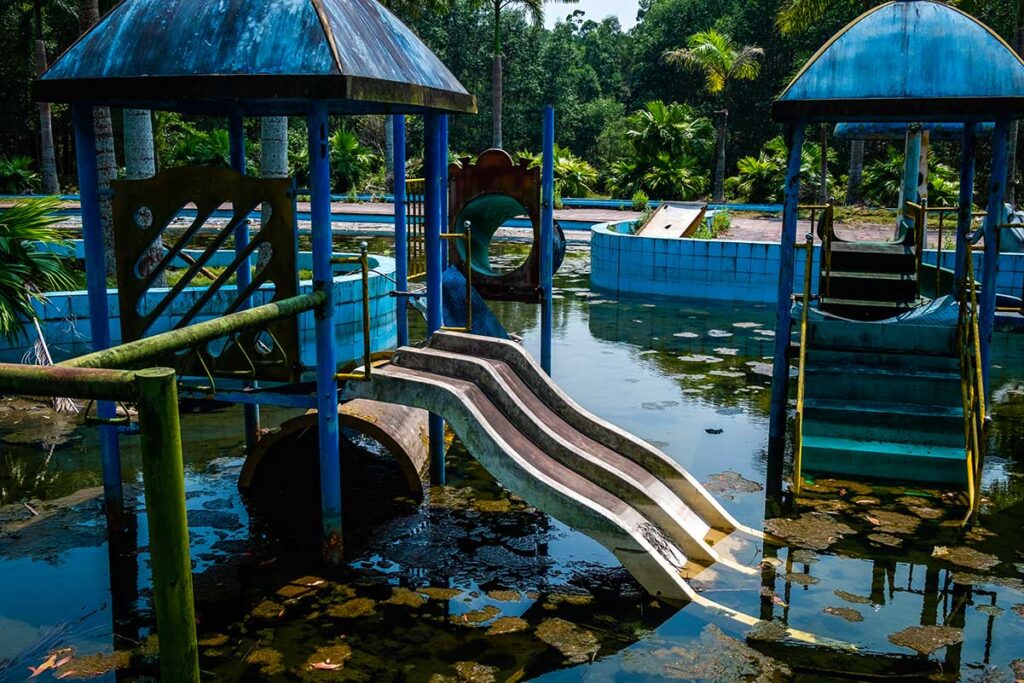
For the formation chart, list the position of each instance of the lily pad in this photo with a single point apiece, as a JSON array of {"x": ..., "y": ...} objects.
[
  {"x": 576, "y": 644},
  {"x": 847, "y": 613},
  {"x": 965, "y": 557},
  {"x": 927, "y": 639}
]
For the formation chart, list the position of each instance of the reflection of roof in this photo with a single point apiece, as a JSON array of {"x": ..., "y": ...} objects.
[
  {"x": 204, "y": 55},
  {"x": 897, "y": 131},
  {"x": 909, "y": 60}
]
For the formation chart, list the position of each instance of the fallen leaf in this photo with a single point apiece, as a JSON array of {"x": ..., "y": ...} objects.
[
  {"x": 326, "y": 666},
  {"x": 48, "y": 663}
]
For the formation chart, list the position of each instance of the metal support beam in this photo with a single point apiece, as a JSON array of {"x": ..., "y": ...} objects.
[
  {"x": 163, "y": 476},
  {"x": 990, "y": 265},
  {"x": 911, "y": 171},
  {"x": 547, "y": 236},
  {"x": 784, "y": 313},
  {"x": 326, "y": 353},
  {"x": 445, "y": 222},
  {"x": 965, "y": 211},
  {"x": 435, "y": 157},
  {"x": 401, "y": 233},
  {"x": 96, "y": 283},
  {"x": 236, "y": 136}
]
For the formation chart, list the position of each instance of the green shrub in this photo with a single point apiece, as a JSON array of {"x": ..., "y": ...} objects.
[
  {"x": 640, "y": 200},
  {"x": 17, "y": 176}
]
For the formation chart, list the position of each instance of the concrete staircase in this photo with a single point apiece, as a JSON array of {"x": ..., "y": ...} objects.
[
  {"x": 869, "y": 280},
  {"x": 883, "y": 402}
]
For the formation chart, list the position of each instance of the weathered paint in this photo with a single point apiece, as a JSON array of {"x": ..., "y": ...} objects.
[
  {"x": 434, "y": 193},
  {"x": 990, "y": 265},
  {"x": 886, "y": 59},
  {"x": 357, "y": 42},
  {"x": 401, "y": 234},
  {"x": 965, "y": 204},
  {"x": 96, "y": 282},
  {"x": 547, "y": 232},
  {"x": 946, "y": 132}
]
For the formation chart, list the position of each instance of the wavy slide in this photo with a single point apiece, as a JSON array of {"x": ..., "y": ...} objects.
[{"x": 657, "y": 520}]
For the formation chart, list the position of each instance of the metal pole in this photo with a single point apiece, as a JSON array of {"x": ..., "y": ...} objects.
[
  {"x": 547, "y": 236},
  {"x": 911, "y": 170},
  {"x": 990, "y": 266},
  {"x": 243, "y": 276},
  {"x": 445, "y": 222},
  {"x": 401, "y": 234},
  {"x": 433, "y": 179},
  {"x": 96, "y": 282},
  {"x": 965, "y": 214},
  {"x": 784, "y": 313},
  {"x": 163, "y": 476},
  {"x": 326, "y": 353}
]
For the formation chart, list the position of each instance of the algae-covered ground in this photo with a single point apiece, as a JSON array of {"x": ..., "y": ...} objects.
[{"x": 473, "y": 584}]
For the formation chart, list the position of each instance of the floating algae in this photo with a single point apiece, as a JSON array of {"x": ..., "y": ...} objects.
[
  {"x": 474, "y": 672},
  {"x": 804, "y": 556},
  {"x": 990, "y": 610},
  {"x": 268, "y": 609},
  {"x": 1019, "y": 609},
  {"x": 95, "y": 665},
  {"x": 847, "y": 613},
  {"x": 268, "y": 660},
  {"x": 699, "y": 358},
  {"x": 350, "y": 609},
  {"x": 927, "y": 639},
  {"x": 686, "y": 335},
  {"x": 576, "y": 644},
  {"x": 890, "y": 522},
  {"x": 726, "y": 351},
  {"x": 504, "y": 595},
  {"x": 801, "y": 579},
  {"x": 746, "y": 325},
  {"x": 405, "y": 597},
  {"x": 326, "y": 660},
  {"x": 476, "y": 616},
  {"x": 965, "y": 557},
  {"x": 435, "y": 593},
  {"x": 813, "y": 530},
  {"x": 506, "y": 625},
  {"x": 852, "y": 597},
  {"x": 886, "y": 539},
  {"x": 730, "y": 482},
  {"x": 578, "y": 599},
  {"x": 719, "y": 334}
]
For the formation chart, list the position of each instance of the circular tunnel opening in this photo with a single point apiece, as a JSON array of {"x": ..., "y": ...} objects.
[{"x": 486, "y": 214}]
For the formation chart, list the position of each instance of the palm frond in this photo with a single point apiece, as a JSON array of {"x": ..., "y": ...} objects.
[{"x": 800, "y": 15}]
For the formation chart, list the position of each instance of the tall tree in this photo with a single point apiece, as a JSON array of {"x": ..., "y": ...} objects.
[
  {"x": 535, "y": 9},
  {"x": 106, "y": 163},
  {"x": 273, "y": 164},
  {"x": 722, "y": 62},
  {"x": 140, "y": 163}
]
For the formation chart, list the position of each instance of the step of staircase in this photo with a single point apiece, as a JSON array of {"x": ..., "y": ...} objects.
[
  {"x": 863, "y": 309},
  {"x": 886, "y": 385},
  {"x": 872, "y": 257},
  {"x": 865, "y": 336},
  {"x": 894, "y": 288},
  {"x": 936, "y": 425},
  {"x": 885, "y": 460},
  {"x": 892, "y": 360}
]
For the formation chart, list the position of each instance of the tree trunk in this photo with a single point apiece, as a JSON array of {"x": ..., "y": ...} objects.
[
  {"x": 856, "y": 172},
  {"x": 1011, "y": 180},
  {"x": 389, "y": 153},
  {"x": 273, "y": 164},
  {"x": 106, "y": 163},
  {"x": 718, "y": 193},
  {"x": 140, "y": 163},
  {"x": 48, "y": 159},
  {"x": 823, "y": 171},
  {"x": 497, "y": 100}
]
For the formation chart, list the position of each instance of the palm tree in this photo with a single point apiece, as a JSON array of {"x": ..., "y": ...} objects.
[
  {"x": 534, "y": 8},
  {"x": 273, "y": 164},
  {"x": 721, "y": 61},
  {"x": 140, "y": 163},
  {"x": 674, "y": 128},
  {"x": 27, "y": 271}
]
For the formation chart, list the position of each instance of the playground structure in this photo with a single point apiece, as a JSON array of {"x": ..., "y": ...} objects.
[{"x": 914, "y": 387}]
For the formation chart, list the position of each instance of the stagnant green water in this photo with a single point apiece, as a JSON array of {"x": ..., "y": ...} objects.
[{"x": 473, "y": 585}]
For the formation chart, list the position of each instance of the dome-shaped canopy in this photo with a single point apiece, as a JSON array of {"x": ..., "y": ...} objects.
[
  {"x": 909, "y": 60},
  {"x": 258, "y": 56}
]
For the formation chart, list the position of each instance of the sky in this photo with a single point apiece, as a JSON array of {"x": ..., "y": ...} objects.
[{"x": 597, "y": 10}]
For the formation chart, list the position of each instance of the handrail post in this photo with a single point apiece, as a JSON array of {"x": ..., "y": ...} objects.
[
  {"x": 163, "y": 474},
  {"x": 799, "y": 422}
]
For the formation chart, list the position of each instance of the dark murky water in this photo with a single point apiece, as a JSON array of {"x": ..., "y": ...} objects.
[{"x": 473, "y": 585}]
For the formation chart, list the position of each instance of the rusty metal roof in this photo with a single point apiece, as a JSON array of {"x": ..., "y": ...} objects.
[
  {"x": 258, "y": 56},
  {"x": 909, "y": 60}
]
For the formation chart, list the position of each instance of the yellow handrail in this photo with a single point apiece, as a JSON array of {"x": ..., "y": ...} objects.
[
  {"x": 415, "y": 219},
  {"x": 465, "y": 235},
  {"x": 798, "y": 421},
  {"x": 972, "y": 386}
]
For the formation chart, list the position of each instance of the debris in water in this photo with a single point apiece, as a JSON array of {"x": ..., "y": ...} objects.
[
  {"x": 719, "y": 334},
  {"x": 329, "y": 658},
  {"x": 476, "y": 616},
  {"x": 1019, "y": 609},
  {"x": 814, "y": 530},
  {"x": 730, "y": 482},
  {"x": 886, "y": 539},
  {"x": 847, "y": 613},
  {"x": 990, "y": 610},
  {"x": 699, "y": 358},
  {"x": 268, "y": 609},
  {"x": 746, "y": 325},
  {"x": 507, "y": 625},
  {"x": 801, "y": 579},
  {"x": 504, "y": 595},
  {"x": 269, "y": 660},
  {"x": 576, "y": 644},
  {"x": 215, "y": 640},
  {"x": 965, "y": 557},
  {"x": 686, "y": 335},
  {"x": 890, "y": 522},
  {"x": 473, "y": 672},
  {"x": 714, "y": 430},
  {"x": 804, "y": 556},
  {"x": 350, "y": 609},
  {"x": 578, "y": 599},
  {"x": 435, "y": 593},
  {"x": 852, "y": 597},
  {"x": 927, "y": 639},
  {"x": 726, "y": 373},
  {"x": 726, "y": 351},
  {"x": 405, "y": 597},
  {"x": 767, "y": 631}
]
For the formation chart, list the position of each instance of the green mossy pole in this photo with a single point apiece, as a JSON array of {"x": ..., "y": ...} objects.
[{"x": 163, "y": 473}]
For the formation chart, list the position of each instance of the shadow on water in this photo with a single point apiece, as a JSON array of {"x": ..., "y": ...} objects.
[{"x": 474, "y": 585}]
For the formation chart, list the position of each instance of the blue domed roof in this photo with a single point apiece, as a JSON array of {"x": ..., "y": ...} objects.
[
  {"x": 909, "y": 60},
  {"x": 260, "y": 55}
]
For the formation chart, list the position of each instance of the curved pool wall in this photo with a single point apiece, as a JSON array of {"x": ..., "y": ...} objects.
[
  {"x": 64, "y": 317},
  {"x": 725, "y": 270}
]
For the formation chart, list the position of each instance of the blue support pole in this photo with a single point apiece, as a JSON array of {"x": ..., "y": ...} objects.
[
  {"x": 783, "y": 313},
  {"x": 965, "y": 211},
  {"x": 547, "y": 236},
  {"x": 236, "y": 138},
  {"x": 96, "y": 283},
  {"x": 911, "y": 172},
  {"x": 326, "y": 353},
  {"x": 401, "y": 233},
  {"x": 445, "y": 223},
  {"x": 434, "y": 157},
  {"x": 990, "y": 265}
]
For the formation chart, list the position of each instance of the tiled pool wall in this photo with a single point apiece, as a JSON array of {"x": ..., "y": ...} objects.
[
  {"x": 726, "y": 270},
  {"x": 64, "y": 317}
]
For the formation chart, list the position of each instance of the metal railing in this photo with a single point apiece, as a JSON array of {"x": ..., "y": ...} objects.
[
  {"x": 363, "y": 261},
  {"x": 972, "y": 386},
  {"x": 467, "y": 236},
  {"x": 415, "y": 221},
  {"x": 798, "y": 421}
]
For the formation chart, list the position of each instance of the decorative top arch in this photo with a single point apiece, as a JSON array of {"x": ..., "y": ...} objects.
[
  {"x": 262, "y": 56},
  {"x": 908, "y": 60}
]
